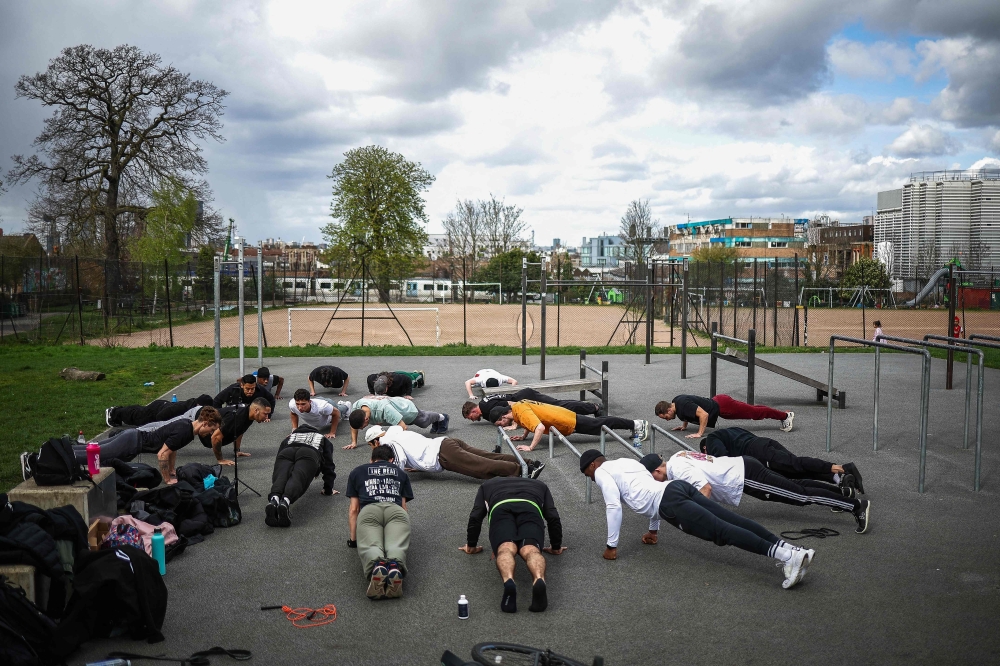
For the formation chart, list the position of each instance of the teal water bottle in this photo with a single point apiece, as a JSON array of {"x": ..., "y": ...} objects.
[{"x": 158, "y": 551}]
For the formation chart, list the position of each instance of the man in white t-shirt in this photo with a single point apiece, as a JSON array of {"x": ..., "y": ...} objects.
[
  {"x": 629, "y": 481},
  {"x": 487, "y": 378},
  {"x": 322, "y": 415},
  {"x": 726, "y": 479},
  {"x": 414, "y": 452}
]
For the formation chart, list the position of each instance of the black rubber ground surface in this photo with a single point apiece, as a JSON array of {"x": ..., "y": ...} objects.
[{"x": 922, "y": 587}]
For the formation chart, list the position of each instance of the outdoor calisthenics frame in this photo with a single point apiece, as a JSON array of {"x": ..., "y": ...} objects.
[
  {"x": 979, "y": 336},
  {"x": 241, "y": 270},
  {"x": 968, "y": 351},
  {"x": 925, "y": 392},
  {"x": 501, "y": 438}
]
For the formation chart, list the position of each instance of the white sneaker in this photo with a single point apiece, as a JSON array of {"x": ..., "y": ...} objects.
[
  {"x": 641, "y": 430},
  {"x": 795, "y": 568},
  {"x": 786, "y": 425}
]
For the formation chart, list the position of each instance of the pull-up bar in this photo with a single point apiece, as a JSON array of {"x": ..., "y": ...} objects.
[
  {"x": 501, "y": 438},
  {"x": 968, "y": 351},
  {"x": 925, "y": 393}
]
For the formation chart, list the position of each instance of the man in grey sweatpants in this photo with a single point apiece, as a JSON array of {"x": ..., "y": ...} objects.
[{"x": 379, "y": 522}]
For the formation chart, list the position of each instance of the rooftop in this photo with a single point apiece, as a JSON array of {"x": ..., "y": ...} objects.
[{"x": 968, "y": 174}]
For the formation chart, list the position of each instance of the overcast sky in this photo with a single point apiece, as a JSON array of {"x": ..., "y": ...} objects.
[{"x": 567, "y": 108}]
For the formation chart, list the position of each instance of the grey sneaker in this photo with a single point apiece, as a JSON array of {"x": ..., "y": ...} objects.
[
  {"x": 393, "y": 581},
  {"x": 376, "y": 586},
  {"x": 795, "y": 568},
  {"x": 442, "y": 425},
  {"x": 786, "y": 425}
]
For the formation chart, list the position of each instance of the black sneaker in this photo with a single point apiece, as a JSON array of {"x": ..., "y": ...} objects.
[
  {"x": 849, "y": 492},
  {"x": 27, "y": 465},
  {"x": 284, "y": 514},
  {"x": 852, "y": 469},
  {"x": 442, "y": 425},
  {"x": 497, "y": 449},
  {"x": 863, "y": 515},
  {"x": 535, "y": 468},
  {"x": 271, "y": 513},
  {"x": 847, "y": 481}
]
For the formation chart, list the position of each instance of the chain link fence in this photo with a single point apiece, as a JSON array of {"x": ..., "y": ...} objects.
[{"x": 59, "y": 300}]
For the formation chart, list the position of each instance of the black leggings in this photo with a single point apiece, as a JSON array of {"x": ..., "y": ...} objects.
[
  {"x": 769, "y": 486},
  {"x": 779, "y": 459},
  {"x": 692, "y": 513},
  {"x": 578, "y": 406},
  {"x": 294, "y": 469},
  {"x": 137, "y": 415},
  {"x": 591, "y": 425}
]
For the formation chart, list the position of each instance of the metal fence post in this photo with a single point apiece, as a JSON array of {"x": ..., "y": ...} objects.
[
  {"x": 218, "y": 324},
  {"x": 878, "y": 372},
  {"x": 713, "y": 362},
  {"x": 260, "y": 303},
  {"x": 751, "y": 369},
  {"x": 775, "y": 334},
  {"x": 242, "y": 308},
  {"x": 465, "y": 335},
  {"x": 684, "y": 316},
  {"x": 795, "y": 324},
  {"x": 951, "y": 323},
  {"x": 649, "y": 307},
  {"x": 524, "y": 310},
  {"x": 166, "y": 288},
  {"x": 829, "y": 399},
  {"x": 543, "y": 291},
  {"x": 722, "y": 294}
]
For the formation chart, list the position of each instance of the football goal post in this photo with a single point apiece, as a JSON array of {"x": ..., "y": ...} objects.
[{"x": 351, "y": 315}]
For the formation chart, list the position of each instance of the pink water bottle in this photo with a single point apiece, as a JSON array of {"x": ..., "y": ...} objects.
[{"x": 94, "y": 458}]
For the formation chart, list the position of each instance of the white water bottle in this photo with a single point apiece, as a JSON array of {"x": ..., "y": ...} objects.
[
  {"x": 463, "y": 607},
  {"x": 80, "y": 439}
]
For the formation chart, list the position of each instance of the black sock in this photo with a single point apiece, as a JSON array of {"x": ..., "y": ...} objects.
[
  {"x": 539, "y": 598},
  {"x": 508, "y": 604}
]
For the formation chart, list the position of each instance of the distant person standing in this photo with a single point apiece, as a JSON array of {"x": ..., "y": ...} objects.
[
  {"x": 878, "y": 330},
  {"x": 329, "y": 376},
  {"x": 487, "y": 378}
]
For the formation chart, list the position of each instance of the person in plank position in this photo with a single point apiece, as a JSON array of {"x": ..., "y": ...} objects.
[
  {"x": 379, "y": 522},
  {"x": 301, "y": 457},
  {"x": 487, "y": 378},
  {"x": 154, "y": 412},
  {"x": 243, "y": 393},
  {"x": 272, "y": 383},
  {"x": 415, "y": 453},
  {"x": 321, "y": 414},
  {"x": 537, "y": 418},
  {"x": 475, "y": 412},
  {"x": 392, "y": 411},
  {"x": 706, "y": 411},
  {"x": 726, "y": 480},
  {"x": 398, "y": 384},
  {"x": 678, "y": 502},
  {"x": 517, "y": 511},
  {"x": 235, "y": 422},
  {"x": 329, "y": 376},
  {"x": 740, "y": 442}
]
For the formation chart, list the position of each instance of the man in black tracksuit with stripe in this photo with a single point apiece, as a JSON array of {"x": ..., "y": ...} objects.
[
  {"x": 301, "y": 457},
  {"x": 741, "y": 442},
  {"x": 474, "y": 412},
  {"x": 517, "y": 510},
  {"x": 157, "y": 410}
]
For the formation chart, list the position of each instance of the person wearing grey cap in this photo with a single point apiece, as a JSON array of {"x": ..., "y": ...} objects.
[{"x": 631, "y": 482}]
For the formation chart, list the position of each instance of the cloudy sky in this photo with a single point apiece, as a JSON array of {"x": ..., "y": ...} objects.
[{"x": 567, "y": 108}]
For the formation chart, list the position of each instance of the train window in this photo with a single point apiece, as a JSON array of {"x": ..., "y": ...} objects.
[
  {"x": 428, "y": 287},
  {"x": 324, "y": 285}
]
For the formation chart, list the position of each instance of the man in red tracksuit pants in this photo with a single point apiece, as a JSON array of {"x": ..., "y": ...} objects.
[{"x": 706, "y": 411}]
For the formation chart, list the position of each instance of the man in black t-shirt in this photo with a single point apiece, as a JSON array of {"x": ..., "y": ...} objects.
[
  {"x": 328, "y": 376},
  {"x": 157, "y": 410},
  {"x": 301, "y": 457},
  {"x": 272, "y": 383},
  {"x": 243, "y": 393},
  {"x": 235, "y": 422},
  {"x": 380, "y": 523},
  {"x": 516, "y": 509},
  {"x": 706, "y": 411},
  {"x": 475, "y": 412}
]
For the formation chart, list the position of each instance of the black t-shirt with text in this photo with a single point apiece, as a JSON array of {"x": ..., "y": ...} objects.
[
  {"x": 175, "y": 434},
  {"x": 330, "y": 376},
  {"x": 687, "y": 408},
  {"x": 379, "y": 482}
]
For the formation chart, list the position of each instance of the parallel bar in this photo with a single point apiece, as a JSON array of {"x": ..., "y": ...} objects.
[
  {"x": 713, "y": 363},
  {"x": 751, "y": 364},
  {"x": 677, "y": 440},
  {"x": 977, "y": 336},
  {"x": 631, "y": 449},
  {"x": 555, "y": 431},
  {"x": 501, "y": 434}
]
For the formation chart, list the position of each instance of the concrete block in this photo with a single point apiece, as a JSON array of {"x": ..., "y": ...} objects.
[
  {"x": 23, "y": 575},
  {"x": 93, "y": 500}
]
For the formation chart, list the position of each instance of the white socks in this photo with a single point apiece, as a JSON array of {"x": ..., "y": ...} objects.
[
  {"x": 783, "y": 553},
  {"x": 836, "y": 479}
]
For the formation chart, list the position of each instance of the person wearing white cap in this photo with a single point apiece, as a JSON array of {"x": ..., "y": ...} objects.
[{"x": 414, "y": 452}]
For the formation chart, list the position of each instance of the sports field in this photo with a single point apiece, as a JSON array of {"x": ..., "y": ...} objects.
[{"x": 922, "y": 587}]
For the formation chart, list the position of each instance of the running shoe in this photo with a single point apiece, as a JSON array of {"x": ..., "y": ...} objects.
[
  {"x": 271, "y": 513},
  {"x": 535, "y": 468},
  {"x": 393, "y": 581},
  {"x": 27, "y": 460},
  {"x": 376, "y": 586},
  {"x": 863, "y": 515},
  {"x": 284, "y": 514},
  {"x": 847, "y": 481},
  {"x": 107, "y": 417},
  {"x": 786, "y": 425},
  {"x": 497, "y": 449},
  {"x": 795, "y": 568},
  {"x": 434, "y": 428},
  {"x": 442, "y": 425},
  {"x": 641, "y": 430},
  {"x": 852, "y": 469}
]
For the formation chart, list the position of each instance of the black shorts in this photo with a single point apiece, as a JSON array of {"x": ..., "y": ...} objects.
[{"x": 518, "y": 522}]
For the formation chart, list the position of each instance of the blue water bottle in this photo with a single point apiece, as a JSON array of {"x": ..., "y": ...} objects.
[
  {"x": 174, "y": 398},
  {"x": 158, "y": 551}
]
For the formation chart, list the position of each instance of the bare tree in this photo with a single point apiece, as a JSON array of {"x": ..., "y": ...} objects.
[
  {"x": 465, "y": 228},
  {"x": 977, "y": 253},
  {"x": 123, "y": 123},
  {"x": 637, "y": 226},
  {"x": 503, "y": 226}
]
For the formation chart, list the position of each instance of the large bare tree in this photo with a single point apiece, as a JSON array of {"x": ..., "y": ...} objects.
[
  {"x": 123, "y": 123},
  {"x": 636, "y": 230},
  {"x": 503, "y": 226},
  {"x": 464, "y": 227}
]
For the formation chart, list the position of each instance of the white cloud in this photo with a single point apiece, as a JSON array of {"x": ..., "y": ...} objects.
[
  {"x": 923, "y": 141},
  {"x": 882, "y": 61}
]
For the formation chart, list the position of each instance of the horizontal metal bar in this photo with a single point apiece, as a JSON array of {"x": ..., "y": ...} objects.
[
  {"x": 591, "y": 368},
  {"x": 961, "y": 349},
  {"x": 517, "y": 454},
  {"x": 720, "y": 336},
  {"x": 962, "y": 341},
  {"x": 565, "y": 441},
  {"x": 732, "y": 359},
  {"x": 677, "y": 440},
  {"x": 979, "y": 336},
  {"x": 631, "y": 449},
  {"x": 883, "y": 345}
]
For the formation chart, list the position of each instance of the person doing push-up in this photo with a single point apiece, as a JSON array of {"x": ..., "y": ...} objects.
[{"x": 706, "y": 411}]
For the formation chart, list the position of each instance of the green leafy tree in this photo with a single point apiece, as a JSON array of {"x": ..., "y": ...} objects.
[
  {"x": 505, "y": 268},
  {"x": 378, "y": 212},
  {"x": 866, "y": 272},
  {"x": 173, "y": 215}
]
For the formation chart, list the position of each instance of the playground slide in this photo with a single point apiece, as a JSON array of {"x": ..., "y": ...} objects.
[{"x": 928, "y": 288}]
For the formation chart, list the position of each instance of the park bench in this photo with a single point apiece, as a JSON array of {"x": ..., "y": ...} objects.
[{"x": 597, "y": 385}]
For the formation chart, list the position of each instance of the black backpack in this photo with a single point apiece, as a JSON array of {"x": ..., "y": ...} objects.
[
  {"x": 25, "y": 632},
  {"x": 56, "y": 465}
]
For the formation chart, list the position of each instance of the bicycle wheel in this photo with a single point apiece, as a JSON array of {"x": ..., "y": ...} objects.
[{"x": 511, "y": 654}]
